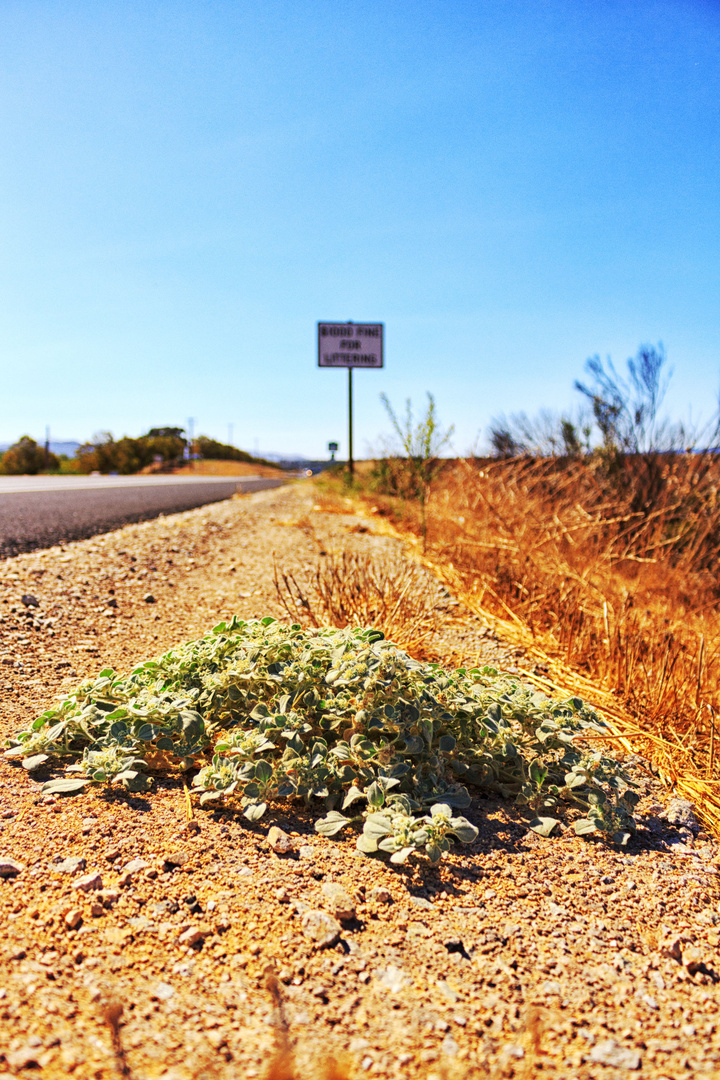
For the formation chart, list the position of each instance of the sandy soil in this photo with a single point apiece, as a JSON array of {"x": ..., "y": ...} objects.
[{"x": 517, "y": 956}]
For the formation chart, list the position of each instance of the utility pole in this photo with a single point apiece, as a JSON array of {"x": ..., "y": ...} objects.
[{"x": 191, "y": 437}]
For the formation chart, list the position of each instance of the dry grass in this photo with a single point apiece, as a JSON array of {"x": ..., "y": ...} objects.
[
  {"x": 353, "y": 589},
  {"x": 608, "y": 578}
]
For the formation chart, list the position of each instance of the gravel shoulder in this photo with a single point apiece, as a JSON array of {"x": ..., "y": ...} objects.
[{"x": 516, "y": 956}]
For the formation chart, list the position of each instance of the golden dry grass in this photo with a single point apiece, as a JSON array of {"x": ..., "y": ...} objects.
[{"x": 607, "y": 578}]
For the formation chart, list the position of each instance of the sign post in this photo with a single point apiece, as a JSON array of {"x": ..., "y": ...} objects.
[{"x": 350, "y": 345}]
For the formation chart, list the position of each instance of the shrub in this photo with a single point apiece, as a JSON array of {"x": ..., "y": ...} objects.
[{"x": 25, "y": 457}]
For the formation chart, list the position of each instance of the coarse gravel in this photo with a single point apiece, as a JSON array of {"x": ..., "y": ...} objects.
[{"x": 516, "y": 956}]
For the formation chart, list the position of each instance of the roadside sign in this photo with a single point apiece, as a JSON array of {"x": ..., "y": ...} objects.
[{"x": 350, "y": 345}]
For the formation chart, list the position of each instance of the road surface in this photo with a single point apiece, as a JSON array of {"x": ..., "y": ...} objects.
[{"x": 39, "y": 511}]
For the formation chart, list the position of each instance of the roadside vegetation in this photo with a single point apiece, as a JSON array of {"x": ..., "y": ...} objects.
[
  {"x": 160, "y": 449},
  {"x": 594, "y": 542}
]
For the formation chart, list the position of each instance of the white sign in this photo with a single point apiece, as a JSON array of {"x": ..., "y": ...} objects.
[{"x": 349, "y": 345}]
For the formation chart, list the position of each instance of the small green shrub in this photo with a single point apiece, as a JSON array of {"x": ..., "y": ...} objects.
[{"x": 339, "y": 718}]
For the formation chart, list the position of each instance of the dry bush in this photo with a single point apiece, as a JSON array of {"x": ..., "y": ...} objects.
[
  {"x": 609, "y": 567},
  {"x": 353, "y": 589}
]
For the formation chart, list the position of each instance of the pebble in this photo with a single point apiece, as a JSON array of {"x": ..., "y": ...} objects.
[
  {"x": 321, "y": 928},
  {"x": 193, "y": 935},
  {"x": 307, "y": 851},
  {"x": 10, "y": 868},
  {"x": 380, "y": 895},
  {"x": 73, "y": 918},
  {"x": 178, "y": 858},
  {"x": 279, "y": 841},
  {"x": 392, "y": 978},
  {"x": 135, "y": 866},
  {"x": 162, "y": 992},
  {"x": 88, "y": 882},
  {"x": 681, "y": 812},
  {"x": 29, "y": 600},
  {"x": 149, "y": 598},
  {"x": 338, "y": 901},
  {"x": 71, "y": 865},
  {"x": 421, "y": 902},
  {"x": 607, "y": 1052}
]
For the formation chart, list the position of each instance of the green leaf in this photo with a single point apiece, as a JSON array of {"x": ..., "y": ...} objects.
[
  {"x": 401, "y": 856},
  {"x": 34, "y": 762},
  {"x": 263, "y": 771},
  {"x": 64, "y": 787},
  {"x": 447, "y": 744},
  {"x": 210, "y": 796},
  {"x": 375, "y": 796},
  {"x": 352, "y": 796},
  {"x": 584, "y": 827},
  {"x": 254, "y": 811},
  {"x": 146, "y": 733},
  {"x": 332, "y": 823},
  {"x": 434, "y": 853},
  {"x": 464, "y": 830},
  {"x": 376, "y": 826},
  {"x": 165, "y": 744},
  {"x": 544, "y": 826},
  {"x": 366, "y": 844}
]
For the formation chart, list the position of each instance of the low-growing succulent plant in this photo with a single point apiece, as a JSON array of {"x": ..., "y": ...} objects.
[{"x": 343, "y": 718}]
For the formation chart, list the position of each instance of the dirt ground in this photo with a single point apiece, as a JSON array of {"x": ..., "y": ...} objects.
[{"x": 138, "y": 942}]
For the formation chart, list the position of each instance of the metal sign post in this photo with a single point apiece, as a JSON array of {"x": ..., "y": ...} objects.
[{"x": 350, "y": 345}]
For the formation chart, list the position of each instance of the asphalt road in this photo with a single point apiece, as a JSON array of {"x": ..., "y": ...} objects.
[{"x": 39, "y": 511}]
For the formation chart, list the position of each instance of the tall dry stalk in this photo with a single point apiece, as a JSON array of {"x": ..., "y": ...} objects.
[{"x": 613, "y": 570}]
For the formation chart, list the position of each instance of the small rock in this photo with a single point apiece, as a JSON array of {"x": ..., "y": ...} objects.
[
  {"x": 10, "y": 868},
  {"x": 307, "y": 851},
  {"x": 672, "y": 945},
  {"x": 321, "y": 928},
  {"x": 162, "y": 992},
  {"x": 88, "y": 882},
  {"x": 693, "y": 958},
  {"x": 421, "y": 902},
  {"x": 112, "y": 602},
  {"x": 87, "y": 824},
  {"x": 279, "y": 841},
  {"x": 381, "y": 895},
  {"x": 489, "y": 894},
  {"x": 140, "y": 922},
  {"x": 178, "y": 858},
  {"x": 135, "y": 866},
  {"x": 449, "y": 1046},
  {"x": 281, "y": 894},
  {"x": 96, "y": 909},
  {"x": 149, "y": 598},
  {"x": 392, "y": 978},
  {"x": 71, "y": 865},
  {"x": 25, "y": 1056},
  {"x": 681, "y": 812},
  {"x": 192, "y": 936},
  {"x": 607, "y": 1052},
  {"x": 109, "y": 897},
  {"x": 73, "y": 918},
  {"x": 338, "y": 901},
  {"x": 29, "y": 600}
]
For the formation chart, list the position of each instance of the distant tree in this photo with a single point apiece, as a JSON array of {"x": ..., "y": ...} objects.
[
  {"x": 25, "y": 457},
  {"x": 166, "y": 433}
]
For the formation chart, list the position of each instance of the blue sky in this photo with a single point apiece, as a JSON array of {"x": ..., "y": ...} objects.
[{"x": 510, "y": 186}]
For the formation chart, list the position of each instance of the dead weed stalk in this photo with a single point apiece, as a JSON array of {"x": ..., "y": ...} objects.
[{"x": 353, "y": 589}]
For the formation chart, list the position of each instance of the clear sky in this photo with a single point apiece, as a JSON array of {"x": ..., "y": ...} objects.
[{"x": 509, "y": 185}]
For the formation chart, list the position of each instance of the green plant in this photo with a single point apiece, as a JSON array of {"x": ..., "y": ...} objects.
[
  {"x": 25, "y": 457},
  {"x": 422, "y": 442},
  {"x": 267, "y": 712}
]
